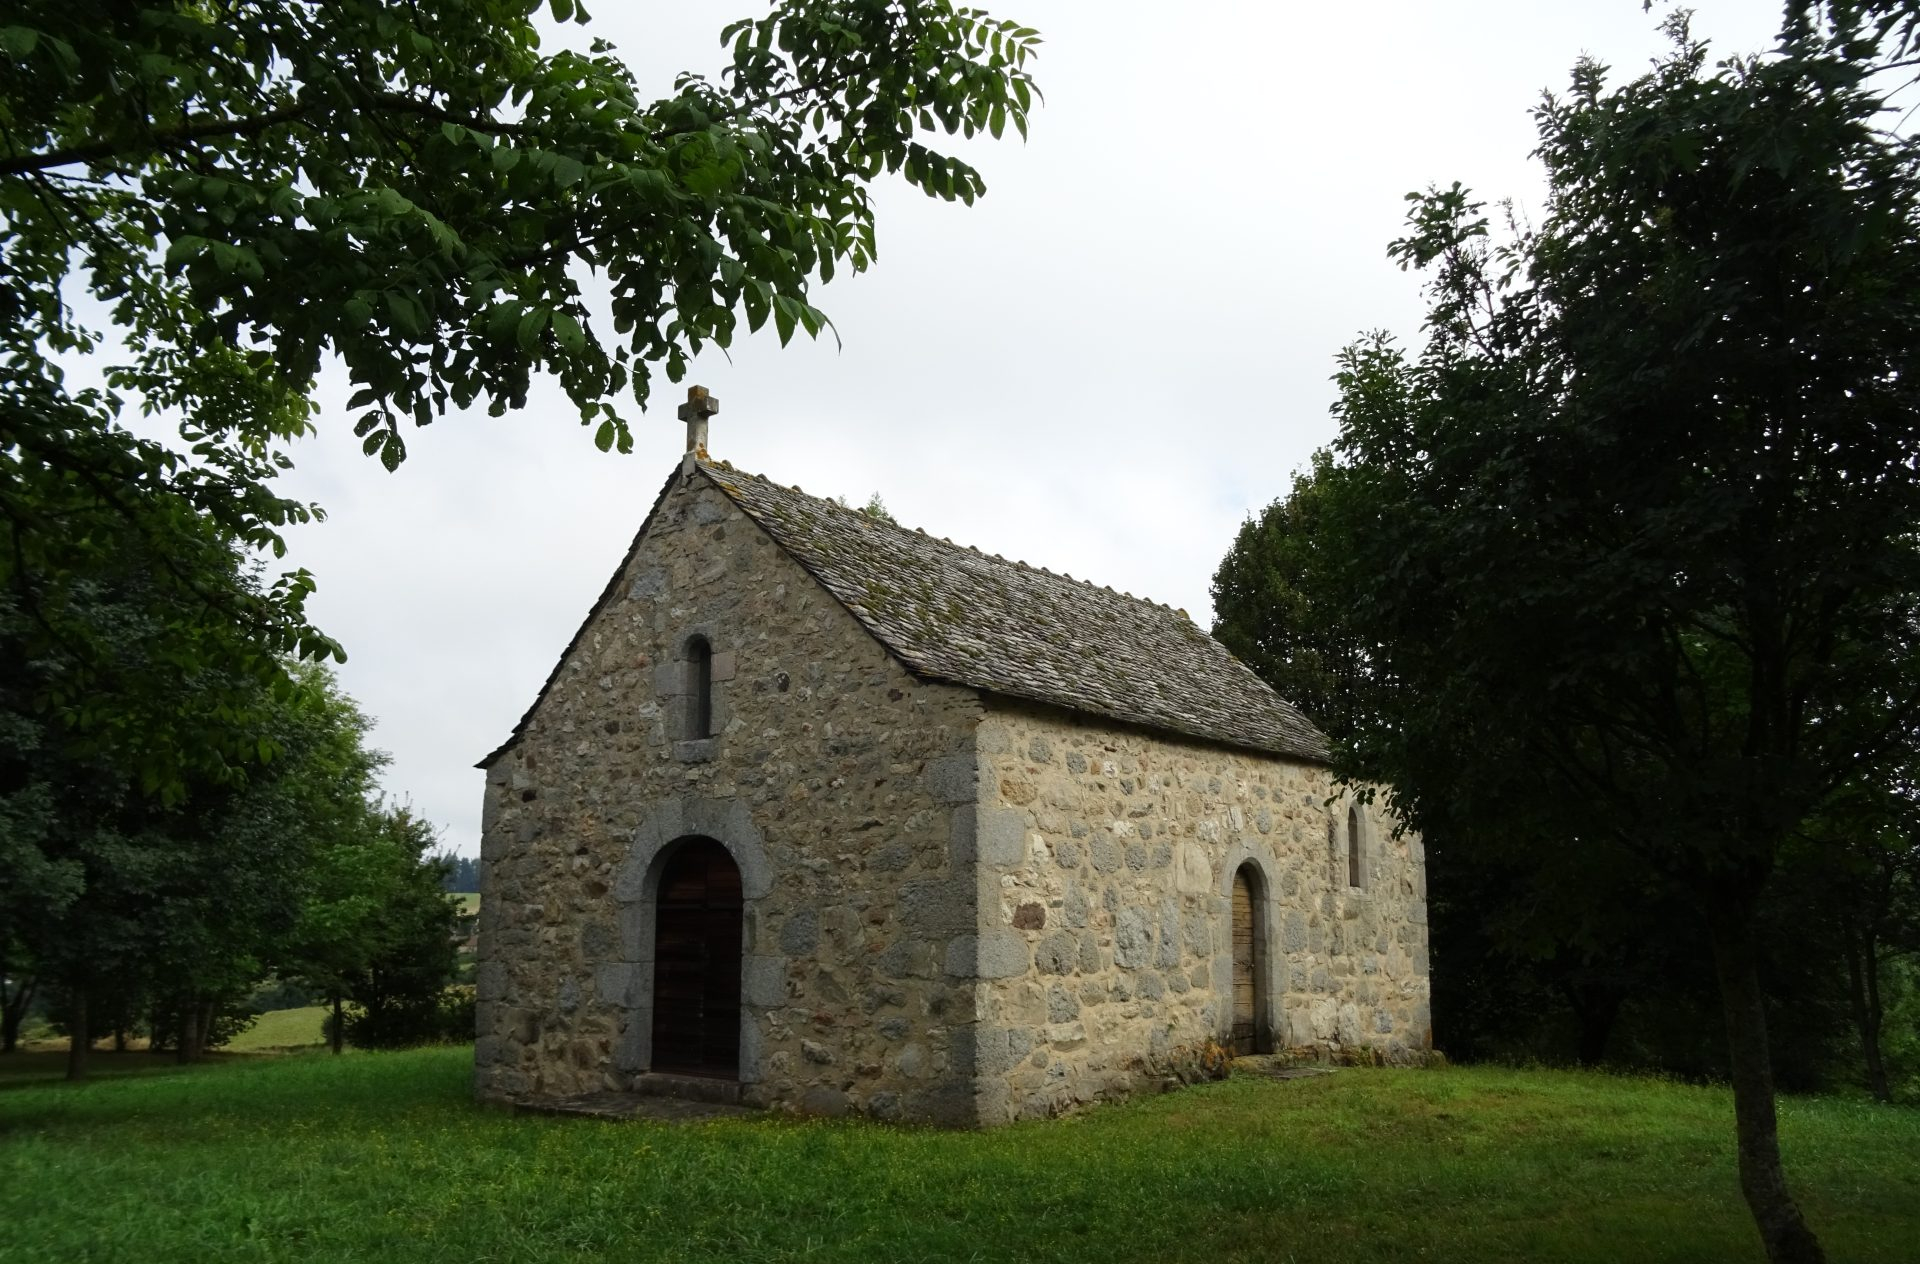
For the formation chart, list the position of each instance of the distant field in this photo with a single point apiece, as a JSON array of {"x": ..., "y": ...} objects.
[
  {"x": 386, "y": 1157},
  {"x": 469, "y": 901},
  {"x": 275, "y": 1030},
  {"x": 282, "y": 1029}
]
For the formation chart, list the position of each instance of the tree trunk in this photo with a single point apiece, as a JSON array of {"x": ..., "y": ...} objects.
[
  {"x": 1596, "y": 1008},
  {"x": 13, "y": 1012},
  {"x": 185, "y": 1016},
  {"x": 120, "y": 1039},
  {"x": 203, "y": 1032},
  {"x": 339, "y": 1025},
  {"x": 79, "y": 1035},
  {"x": 1870, "y": 1035},
  {"x": 1783, "y": 1231},
  {"x": 1863, "y": 985}
]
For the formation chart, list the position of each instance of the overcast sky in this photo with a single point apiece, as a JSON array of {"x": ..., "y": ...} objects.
[{"x": 1101, "y": 368}]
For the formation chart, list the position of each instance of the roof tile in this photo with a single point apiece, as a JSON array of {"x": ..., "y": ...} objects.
[{"x": 956, "y": 614}]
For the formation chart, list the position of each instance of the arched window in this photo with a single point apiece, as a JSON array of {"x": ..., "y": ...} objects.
[
  {"x": 1356, "y": 871},
  {"x": 699, "y": 688},
  {"x": 1249, "y": 963}
]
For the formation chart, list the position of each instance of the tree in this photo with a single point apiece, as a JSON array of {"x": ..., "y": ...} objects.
[
  {"x": 83, "y": 839},
  {"x": 133, "y": 680},
  {"x": 1860, "y": 863},
  {"x": 375, "y": 928},
  {"x": 235, "y": 868},
  {"x": 120, "y": 899},
  {"x": 416, "y": 191},
  {"x": 1634, "y": 534},
  {"x": 463, "y": 872},
  {"x": 1277, "y": 598},
  {"x": 1512, "y": 953},
  {"x": 401, "y": 990},
  {"x": 34, "y": 885}
]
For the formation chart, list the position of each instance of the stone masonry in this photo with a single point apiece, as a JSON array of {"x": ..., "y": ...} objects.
[
  {"x": 1108, "y": 879},
  {"x": 959, "y": 907},
  {"x": 831, "y": 778}
]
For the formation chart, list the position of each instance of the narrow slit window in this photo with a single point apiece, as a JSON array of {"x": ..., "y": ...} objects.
[
  {"x": 699, "y": 688},
  {"x": 1249, "y": 954},
  {"x": 1356, "y": 876}
]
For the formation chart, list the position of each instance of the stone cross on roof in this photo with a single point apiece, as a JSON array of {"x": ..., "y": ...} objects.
[{"x": 694, "y": 412}]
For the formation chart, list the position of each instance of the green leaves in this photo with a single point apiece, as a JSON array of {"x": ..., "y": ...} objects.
[
  {"x": 527, "y": 332},
  {"x": 770, "y": 168},
  {"x": 1280, "y": 599},
  {"x": 1634, "y": 547},
  {"x": 18, "y": 42},
  {"x": 405, "y": 312},
  {"x": 758, "y": 298},
  {"x": 566, "y": 171},
  {"x": 385, "y": 443},
  {"x": 247, "y": 202},
  {"x": 1638, "y": 574}
]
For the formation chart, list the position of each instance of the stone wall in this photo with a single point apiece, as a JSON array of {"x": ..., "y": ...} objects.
[
  {"x": 957, "y": 910},
  {"x": 843, "y": 786},
  {"x": 1107, "y": 857}
]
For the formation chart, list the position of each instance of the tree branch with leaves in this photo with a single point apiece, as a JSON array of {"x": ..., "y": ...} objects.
[
  {"x": 1631, "y": 537},
  {"x": 417, "y": 192}
]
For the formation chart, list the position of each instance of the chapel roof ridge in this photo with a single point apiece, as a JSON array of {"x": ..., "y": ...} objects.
[{"x": 971, "y": 548}]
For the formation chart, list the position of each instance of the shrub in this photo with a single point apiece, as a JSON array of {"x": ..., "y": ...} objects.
[{"x": 399, "y": 1023}]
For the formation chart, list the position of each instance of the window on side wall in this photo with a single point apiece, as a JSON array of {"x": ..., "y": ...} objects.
[{"x": 1356, "y": 867}]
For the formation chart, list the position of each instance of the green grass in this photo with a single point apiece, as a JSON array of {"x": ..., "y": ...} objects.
[
  {"x": 47, "y": 1063},
  {"x": 469, "y": 902},
  {"x": 384, "y": 1157},
  {"x": 282, "y": 1029}
]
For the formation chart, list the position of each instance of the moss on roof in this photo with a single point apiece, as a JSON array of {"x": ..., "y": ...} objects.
[{"x": 956, "y": 614}]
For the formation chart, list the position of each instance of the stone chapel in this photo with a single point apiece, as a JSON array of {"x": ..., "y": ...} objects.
[{"x": 823, "y": 814}]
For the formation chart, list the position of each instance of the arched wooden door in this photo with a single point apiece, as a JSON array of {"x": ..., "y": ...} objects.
[
  {"x": 696, "y": 963},
  {"x": 1246, "y": 967}
]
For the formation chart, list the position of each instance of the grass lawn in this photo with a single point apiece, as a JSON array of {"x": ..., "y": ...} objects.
[
  {"x": 282, "y": 1029},
  {"x": 384, "y": 1157}
]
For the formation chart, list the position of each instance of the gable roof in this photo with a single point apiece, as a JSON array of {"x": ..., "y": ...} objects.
[{"x": 957, "y": 615}]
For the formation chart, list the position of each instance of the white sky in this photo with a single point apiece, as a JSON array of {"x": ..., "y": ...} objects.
[{"x": 1101, "y": 368}]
